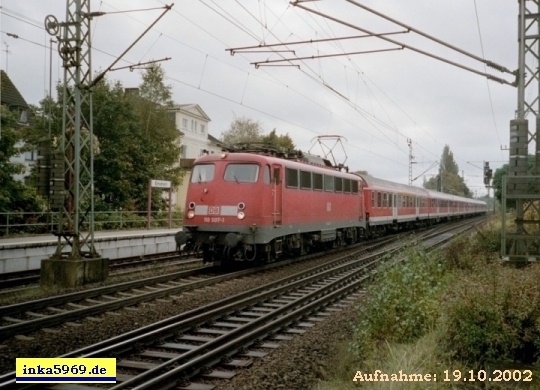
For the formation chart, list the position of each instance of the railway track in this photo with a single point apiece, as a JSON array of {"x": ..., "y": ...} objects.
[
  {"x": 46, "y": 313},
  {"x": 116, "y": 266},
  {"x": 212, "y": 340}
]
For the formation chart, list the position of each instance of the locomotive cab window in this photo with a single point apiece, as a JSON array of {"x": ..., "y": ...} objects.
[
  {"x": 203, "y": 173},
  {"x": 241, "y": 173}
]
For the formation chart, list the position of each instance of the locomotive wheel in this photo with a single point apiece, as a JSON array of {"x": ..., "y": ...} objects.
[{"x": 207, "y": 255}]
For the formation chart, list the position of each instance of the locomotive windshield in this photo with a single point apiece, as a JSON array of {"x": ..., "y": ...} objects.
[
  {"x": 242, "y": 173},
  {"x": 202, "y": 173}
]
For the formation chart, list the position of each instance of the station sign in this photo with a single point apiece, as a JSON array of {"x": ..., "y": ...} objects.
[{"x": 160, "y": 183}]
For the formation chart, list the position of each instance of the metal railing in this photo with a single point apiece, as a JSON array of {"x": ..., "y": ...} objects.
[{"x": 28, "y": 223}]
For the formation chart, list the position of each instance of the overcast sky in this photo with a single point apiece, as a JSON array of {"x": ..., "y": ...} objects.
[{"x": 376, "y": 100}]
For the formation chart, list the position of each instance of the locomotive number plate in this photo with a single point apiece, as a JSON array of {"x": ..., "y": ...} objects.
[{"x": 214, "y": 219}]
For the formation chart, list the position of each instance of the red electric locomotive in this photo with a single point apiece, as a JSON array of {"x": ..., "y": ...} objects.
[{"x": 247, "y": 206}]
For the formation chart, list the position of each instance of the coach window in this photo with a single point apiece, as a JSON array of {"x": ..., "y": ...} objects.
[
  {"x": 328, "y": 183},
  {"x": 317, "y": 181},
  {"x": 305, "y": 180},
  {"x": 242, "y": 173},
  {"x": 202, "y": 173},
  {"x": 379, "y": 199},
  {"x": 372, "y": 198},
  {"x": 291, "y": 177},
  {"x": 338, "y": 184},
  {"x": 354, "y": 186},
  {"x": 390, "y": 203}
]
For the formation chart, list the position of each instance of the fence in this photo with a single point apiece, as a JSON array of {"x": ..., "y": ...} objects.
[{"x": 24, "y": 223}]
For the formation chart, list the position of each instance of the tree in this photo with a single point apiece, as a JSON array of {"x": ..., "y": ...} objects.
[
  {"x": 153, "y": 89},
  {"x": 14, "y": 195},
  {"x": 448, "y": 179},
  {"x": 242, "y": 131},
  {"x": 159, "y": 138},
  {"x": 136, "y": 139},
  {"x": 247, "y": 131},
  {"x": 280, "y": 141}
]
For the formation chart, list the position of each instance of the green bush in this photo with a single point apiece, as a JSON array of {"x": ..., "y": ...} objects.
[
  {"x": 488, "y": 240},
  {"x": 402, "y": 302},
  {"x": 491, "y": 315}
]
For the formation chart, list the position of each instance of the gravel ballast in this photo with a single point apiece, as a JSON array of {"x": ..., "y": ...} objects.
[{"x": 69, "y": 337}]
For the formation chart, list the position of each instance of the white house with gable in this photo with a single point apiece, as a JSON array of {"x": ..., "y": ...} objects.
[{"x": 195, "y": 140}]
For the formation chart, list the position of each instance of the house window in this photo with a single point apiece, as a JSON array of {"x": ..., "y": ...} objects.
[
  {"x": 23, "y": 118},
  {"x": 203, "y": 128},
  {"x": 183, "y": 151},
  {"x": 30, "y": 156},
  {"x": 184, "y": 123}
]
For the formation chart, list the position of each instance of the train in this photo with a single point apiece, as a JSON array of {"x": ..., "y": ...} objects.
[{"x": 261, "y": 204}]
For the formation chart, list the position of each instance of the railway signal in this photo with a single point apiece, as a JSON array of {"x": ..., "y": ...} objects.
[{"x": 488, "y": 174}]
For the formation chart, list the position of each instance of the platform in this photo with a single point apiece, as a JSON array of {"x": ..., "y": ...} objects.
[{"x": 26, "y": 253}]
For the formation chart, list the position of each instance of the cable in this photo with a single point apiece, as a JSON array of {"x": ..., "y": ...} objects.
[{"x": 487, "y": 82}]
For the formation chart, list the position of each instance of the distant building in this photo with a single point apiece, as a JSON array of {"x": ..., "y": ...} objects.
[
  {"x": 13, "y": 100},
  {"x": 192, "y": 123}
]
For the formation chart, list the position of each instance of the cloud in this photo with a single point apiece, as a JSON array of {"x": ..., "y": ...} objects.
[{"x": 376, "y": 101}]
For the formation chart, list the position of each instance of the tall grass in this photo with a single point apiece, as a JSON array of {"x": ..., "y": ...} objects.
[{"x": 460, "y": 308}]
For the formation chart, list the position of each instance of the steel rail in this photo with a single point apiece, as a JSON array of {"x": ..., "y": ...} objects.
[{"x": 173, "y": 325}]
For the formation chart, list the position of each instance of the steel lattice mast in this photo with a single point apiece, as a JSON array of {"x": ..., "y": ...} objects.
[
  {"x": 77, "y": 207},
  {"x": 522, "y": 243}
]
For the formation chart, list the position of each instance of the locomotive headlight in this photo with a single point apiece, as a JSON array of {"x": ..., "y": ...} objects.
[
  {"x": 190, "y": 214},
  {"x": 240, "y": 215}
]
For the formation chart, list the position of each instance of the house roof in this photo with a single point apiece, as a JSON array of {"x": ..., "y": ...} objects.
[
  {"x": 193, "y": 109},
  {"x": 213, "y": 139},
  {"x": 9, "y": 94}
]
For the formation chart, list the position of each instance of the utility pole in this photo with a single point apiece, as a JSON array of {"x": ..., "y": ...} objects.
[
  {"x": 7, "y": 55},
  {"x": 522, "y": 243},
  {"x": 411, "y": 157},
  {"x": 76, "y": 260}
]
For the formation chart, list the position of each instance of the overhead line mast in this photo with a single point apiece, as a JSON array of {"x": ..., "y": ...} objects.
[
  {"x": 74, "y": 194},
  {"x": 521, "y": 242}
]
